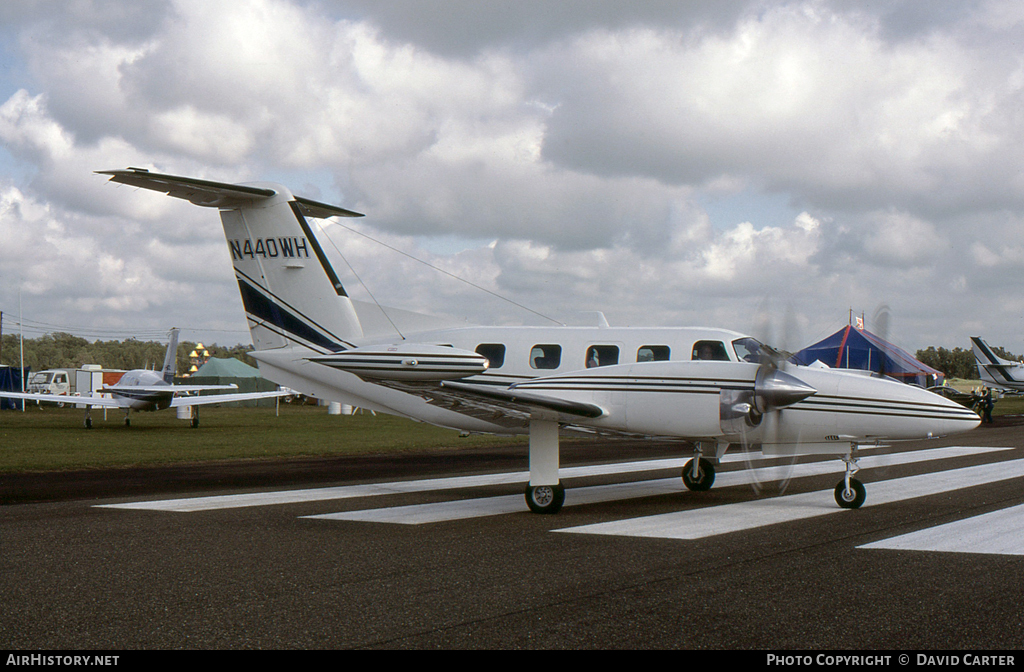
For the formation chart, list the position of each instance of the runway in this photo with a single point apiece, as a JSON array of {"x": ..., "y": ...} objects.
[{"x": 441, "y": 555}]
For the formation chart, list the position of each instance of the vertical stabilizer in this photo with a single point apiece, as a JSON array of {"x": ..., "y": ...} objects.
[
  {"x": 994, "y": 370},
  {"x": 292, "y": 295},
  {"x": 171, "y": 358}
]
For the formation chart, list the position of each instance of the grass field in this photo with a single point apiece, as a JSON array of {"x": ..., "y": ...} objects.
[{"x": 47, "y": 438}]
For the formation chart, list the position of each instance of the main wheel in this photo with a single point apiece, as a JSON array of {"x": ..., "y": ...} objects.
[
  {"x": 852, "y": 498},
  {"x": 705, "y": 478},
  {"x": 545, "y": 498}
]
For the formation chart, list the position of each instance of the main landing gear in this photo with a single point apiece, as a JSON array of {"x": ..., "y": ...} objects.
[
  {"x": 545, "y": 498},
  {"x": 544, "y": 492}
]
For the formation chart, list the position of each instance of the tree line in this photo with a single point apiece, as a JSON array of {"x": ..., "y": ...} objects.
[
  {"x": 59, "y": 350},
  {"x": 958, "y": 362}
]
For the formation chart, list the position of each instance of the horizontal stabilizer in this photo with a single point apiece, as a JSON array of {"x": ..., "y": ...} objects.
[
  {"x": 216, "y": 194},
  {"x": 406, "y": 362}
]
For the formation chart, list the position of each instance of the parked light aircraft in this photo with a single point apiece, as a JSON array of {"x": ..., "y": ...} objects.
[
  {"x": 995, "y": 371},
  {"x": 145, "y": 390},
  {"x": 709, "y": 387}
]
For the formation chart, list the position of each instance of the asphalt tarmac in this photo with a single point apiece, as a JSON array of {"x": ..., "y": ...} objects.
[{"x": 401, "y": 560}]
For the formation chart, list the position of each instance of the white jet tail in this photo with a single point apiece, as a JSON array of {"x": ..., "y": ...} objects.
[
  {"x": 291, "y": 294},
  {"x": 995, "y": 371}
]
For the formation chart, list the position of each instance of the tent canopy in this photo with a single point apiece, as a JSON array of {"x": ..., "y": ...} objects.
[
  {"x": 230, "y": 370},
  {"x": 230, "y": 367},
  {"x": 852, "y": 348}
]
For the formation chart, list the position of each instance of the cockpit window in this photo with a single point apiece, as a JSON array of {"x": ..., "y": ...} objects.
[
  {"x": 748, "y": 350},
  {"x": 713, "y": 350}
]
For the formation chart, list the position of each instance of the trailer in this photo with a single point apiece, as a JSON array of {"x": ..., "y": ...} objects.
[{"x": 83, "y": 382}]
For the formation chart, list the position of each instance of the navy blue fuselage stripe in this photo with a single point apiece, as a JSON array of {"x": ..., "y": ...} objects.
[
  {"x": 257, "y": 305},
  {"x": 328, "y": 269}
]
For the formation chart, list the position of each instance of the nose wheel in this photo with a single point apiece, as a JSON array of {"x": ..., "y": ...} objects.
[
  {"x": 850, "y": 492},
  {"x": 850, "y": 496},
  {"x": 699, "y": 474}
]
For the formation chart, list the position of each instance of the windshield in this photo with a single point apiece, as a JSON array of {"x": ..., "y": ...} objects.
[
  {"x": 40, "y": 379},
  {"x": 748, "y": 349}
]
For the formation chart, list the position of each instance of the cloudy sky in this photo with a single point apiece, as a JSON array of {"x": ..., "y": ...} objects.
[{"x": 667, "y": 163}]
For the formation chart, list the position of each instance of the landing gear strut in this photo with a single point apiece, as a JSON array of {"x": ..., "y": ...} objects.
[
  {"x": 850, "y": 492},
  {"x": 699, "y": 473}
]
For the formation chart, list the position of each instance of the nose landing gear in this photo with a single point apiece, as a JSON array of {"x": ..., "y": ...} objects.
[{"x": 850, "y": 492}]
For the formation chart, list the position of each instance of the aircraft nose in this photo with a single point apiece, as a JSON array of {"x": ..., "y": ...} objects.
[{"x": 953, "y": 417}]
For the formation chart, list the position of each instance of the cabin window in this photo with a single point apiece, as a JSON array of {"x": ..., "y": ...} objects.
[
  {"x": 653, "y": 353},
  {"x": 713, "y": 350},
  {"x": 545, "y": 356},
  {"x": 494, "y": 352},
  {"x": 602, "y": 355}
]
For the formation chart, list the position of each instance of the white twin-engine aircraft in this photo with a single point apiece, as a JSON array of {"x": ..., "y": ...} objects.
[
  {"x": 710, "y": 387},
  {"x": 145, "y": 390}
]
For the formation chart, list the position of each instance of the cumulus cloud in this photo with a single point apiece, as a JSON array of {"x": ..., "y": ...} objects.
[{"x": 579, "y": 143}]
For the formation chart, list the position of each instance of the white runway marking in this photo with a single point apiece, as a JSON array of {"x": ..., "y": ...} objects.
[
  {"x": 491, "y": 506},
  {"x": 376, "y": 489},
  {"x": 716, "y": 520},
  {"x": 998, "y": 532}
]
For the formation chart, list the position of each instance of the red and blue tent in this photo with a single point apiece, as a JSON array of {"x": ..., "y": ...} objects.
[{"x": 852, "y": 348}]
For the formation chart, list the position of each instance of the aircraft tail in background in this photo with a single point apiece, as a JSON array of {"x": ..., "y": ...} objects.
[{"x": 995, "y": 371}]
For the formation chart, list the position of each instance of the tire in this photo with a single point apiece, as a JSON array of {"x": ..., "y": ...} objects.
[
  {"x": 545, "y": 498},
  {"x": 852, "y": 499},
  {"x": 706, "y": 479}
]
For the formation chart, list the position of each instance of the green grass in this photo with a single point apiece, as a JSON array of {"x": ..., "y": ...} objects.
[{"x": 46, "y": 438}]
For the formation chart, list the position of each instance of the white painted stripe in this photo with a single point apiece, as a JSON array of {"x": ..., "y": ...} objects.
[
  {"x": 997, "y": 533},
  {"x": 418, "y": 514},
  {"x": 376, "y": 489},
  {"x": 716, "y": 520}
]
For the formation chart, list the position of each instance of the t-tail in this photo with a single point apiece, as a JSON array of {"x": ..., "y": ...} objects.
[
  {"x": 170, "y": 359},
  {"x": 995, "y": 371},
  {"x": 291, "y": 293}
]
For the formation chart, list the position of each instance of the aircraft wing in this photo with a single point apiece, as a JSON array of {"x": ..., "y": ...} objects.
[
  {"x": 524, "y": 401},
  {"x": 63, "y": 399},
  {"x": 216, "y": 194},
  {"x": 166, "y": 388},
  {"x": 227, "y": 398}
]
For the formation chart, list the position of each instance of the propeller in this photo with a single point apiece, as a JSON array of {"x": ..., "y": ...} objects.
[
  {"x": 881, "y": 326},
  {"x": 774, "y": 388}
]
